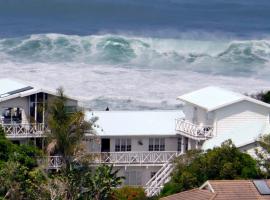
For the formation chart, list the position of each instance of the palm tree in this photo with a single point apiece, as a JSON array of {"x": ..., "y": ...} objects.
[
  {"x": 67, "y": 129},
  {"x": 99, "y": 185}
]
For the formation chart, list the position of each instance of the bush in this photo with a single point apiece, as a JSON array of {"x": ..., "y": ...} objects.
[
  {"x": 129, "y": 193},
  {"x": 225, "y": 162}
]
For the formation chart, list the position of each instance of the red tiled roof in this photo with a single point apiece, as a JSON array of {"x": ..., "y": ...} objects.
[
  {"x": 195, "y": 194},
  {"x": 222, "y": 190}
]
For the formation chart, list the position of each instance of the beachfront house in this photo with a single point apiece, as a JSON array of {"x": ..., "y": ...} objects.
[
  {"x": 142, "y": 144},
  {"x": 23, "y": 110},
  {"x": 213, "y": 115}
]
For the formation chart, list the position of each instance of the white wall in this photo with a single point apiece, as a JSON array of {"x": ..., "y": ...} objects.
[
  {"x": 201, "y": 114},
  {"x": 170, "y": 143},
  {"x": 229, "y": 117},
  {"x": 144, "y": 172}
]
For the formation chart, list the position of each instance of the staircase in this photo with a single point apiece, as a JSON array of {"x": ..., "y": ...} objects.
[{"x": 155, "y": 184}]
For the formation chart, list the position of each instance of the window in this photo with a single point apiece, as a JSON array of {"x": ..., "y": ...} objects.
[
  {"x": 179, "y": 144},
  {"x": 186, "y": 143},
  {"x": 156, "y": 144},
  {"x": 133, "y": 178},
  {"x": 123, "y": 144}
]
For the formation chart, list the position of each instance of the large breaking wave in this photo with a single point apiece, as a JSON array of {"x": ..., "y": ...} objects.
[
  {"x": 216, "y": 57},
  {"x": 128, "y": 72}
]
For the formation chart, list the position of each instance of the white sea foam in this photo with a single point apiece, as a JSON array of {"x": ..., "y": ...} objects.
[{"x": 127, "y": 72}]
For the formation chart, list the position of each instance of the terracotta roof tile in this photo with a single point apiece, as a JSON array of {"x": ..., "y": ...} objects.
[
  {"x": 222, "y": 190},
  {"x": 235, "y": 190},
  {"x": 195, "y": 194}
]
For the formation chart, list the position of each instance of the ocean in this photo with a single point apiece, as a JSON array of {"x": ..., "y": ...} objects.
[{"x": 134, "y": 55}]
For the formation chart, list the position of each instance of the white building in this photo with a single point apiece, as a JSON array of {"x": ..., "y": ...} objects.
[
  {"x": 142, "y": 144},
  {"x": 227, "y": 114},
  {"x": 23, "y": 110}
]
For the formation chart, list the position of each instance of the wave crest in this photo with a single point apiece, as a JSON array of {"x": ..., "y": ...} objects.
[{"x": 202, "y": 56}]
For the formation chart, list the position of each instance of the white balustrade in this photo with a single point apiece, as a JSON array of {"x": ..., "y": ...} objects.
[
  {"x": 119, "y": 158},
  {"x": 131, "y": 157},
  {"x": 201, "y": 132},
  {"x": 22, "y": 130}
]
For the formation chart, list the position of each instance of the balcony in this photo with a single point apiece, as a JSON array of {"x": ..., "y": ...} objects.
[
  {"x": 140, "y": 158},
  {"x": 21, "y": 130},
  {"x": 134, "y": 158},
  {"x": 197, "y": 132}
]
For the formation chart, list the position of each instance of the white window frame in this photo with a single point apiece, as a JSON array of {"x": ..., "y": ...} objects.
[
  {"x": 122, "y": 144},
  {"x": 156, "y": 144}
]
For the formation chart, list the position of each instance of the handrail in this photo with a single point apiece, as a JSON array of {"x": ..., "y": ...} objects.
[
  {"x": 194, "y": 130},
  {"x": 120, "y": 158},
  {"x": 24, "y": 129},
  {"x": 131, "y": 157}
]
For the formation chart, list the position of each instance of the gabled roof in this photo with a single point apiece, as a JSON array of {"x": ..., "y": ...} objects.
[
  {"x": 223, "y": 190},
  {"x": 10, "y": 88},
  {"x": 135, "y": 123},
  {"x": 212, "y": 98}
]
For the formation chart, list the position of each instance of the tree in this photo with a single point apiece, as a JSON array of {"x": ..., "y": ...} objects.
[
  {"x": 225, "y": 162},
  {"x": 263, "y": 153},
  {"x": 84, "y": 182},
  {"x": 99, "y": 185},
  {"x": 66, "y": 129},
  {"x": 17, "y": 163},
  {"x": 262, "y": 96}
]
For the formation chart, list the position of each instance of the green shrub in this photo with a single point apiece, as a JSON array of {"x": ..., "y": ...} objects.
[{"x": 129, "y": 193}]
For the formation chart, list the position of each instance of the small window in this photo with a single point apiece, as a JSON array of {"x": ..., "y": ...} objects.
[
  {"x": 151, "y": 144},
  {"x": 179, "y": 144},
  {"x": 162, "y": 144},
  {"x": 156, "y": 144},
  {"x": 186, "y": 143},
  {"x": 117, "y": 145},
  {"x": 123, "y": 144}
]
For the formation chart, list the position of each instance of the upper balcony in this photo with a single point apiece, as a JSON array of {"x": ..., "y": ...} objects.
[
  {"x": 24, "y": 130},
  {"x": 194, "y": 131}
]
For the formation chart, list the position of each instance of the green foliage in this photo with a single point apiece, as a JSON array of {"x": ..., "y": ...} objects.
[
  {"x": 225, "y": 162},
  {"x": 263, "y": 154},
  {"x": 262, "y": 96},
  {"x": 66, "y": 129},
  {"x": 17, "y": 162},
  {"x": 129, "y": 193},
  {"x": 83, "y": 182},
  {"x": 100, "y": 185}
]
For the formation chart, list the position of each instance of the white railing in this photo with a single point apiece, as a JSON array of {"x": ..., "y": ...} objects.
[
  {"x": 119, "y": 158},
  {"x": 133, "y": 158},
  {"x": 156, "y": 183},
  {"x": 200, "y": 132},
  {"x": 51, "y": 162},
  {"x": 24, "y": 130}
]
